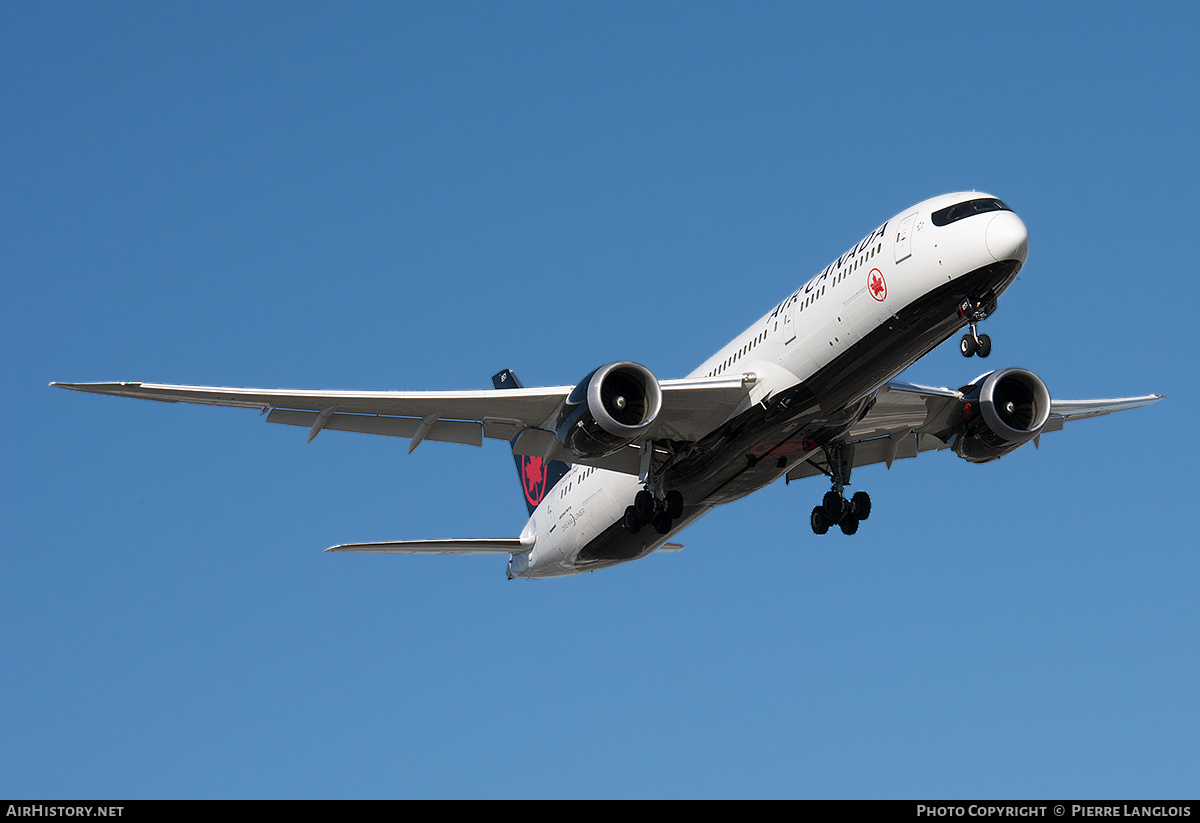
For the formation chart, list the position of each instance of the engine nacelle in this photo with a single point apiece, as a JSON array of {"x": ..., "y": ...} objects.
[
  {"x": 610, "y": 408},
  {"x": 1000, "y": 413}
]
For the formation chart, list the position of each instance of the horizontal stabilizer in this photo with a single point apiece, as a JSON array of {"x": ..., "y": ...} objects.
[{"x": 499, "y": 545}]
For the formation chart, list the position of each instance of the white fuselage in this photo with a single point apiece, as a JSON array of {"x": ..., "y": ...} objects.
[{"x": 836, "y": 324}]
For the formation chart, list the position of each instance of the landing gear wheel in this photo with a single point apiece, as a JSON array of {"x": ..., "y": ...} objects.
[
  {"x": 820, "y": 523},
  {"x": 967, "y": 345},
  {"x": 674, "y": 501},
  {"x": 985, "y": 345},
  {"x": 860, "y": 505},
  {"x": 643, "y": 504},
  {"x": 834, "y": 505},
  {"x": 631, "y": 521},
  {"x": 662, "y": 522},
  {"x": 849, "y": 524}
]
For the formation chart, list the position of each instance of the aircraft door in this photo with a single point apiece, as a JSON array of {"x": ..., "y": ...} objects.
[
  {"x": 789, "y": 322},
  {"x": 783, "y": 324},
  {"x": 903, "y": 240}
]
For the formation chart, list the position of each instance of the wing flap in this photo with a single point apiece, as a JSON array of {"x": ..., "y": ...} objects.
[
  {"x": 904, "y": 407},
  {"x": 691, "y": 408},
  {"x": 446, "y": 431},
  {"x": 541, "y": 443},
  {"x": 866, "y": 452}
]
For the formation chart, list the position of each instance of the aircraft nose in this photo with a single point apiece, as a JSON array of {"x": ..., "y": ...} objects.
[{"x": 1007, "y": 238}]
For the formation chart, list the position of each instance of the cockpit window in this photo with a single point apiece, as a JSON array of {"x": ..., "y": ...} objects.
[{"x": 950, "y": 214}]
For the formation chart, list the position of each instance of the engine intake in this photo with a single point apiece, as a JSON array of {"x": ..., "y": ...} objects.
[
  {"x": 610, "y": 408},
  {"x": 1001, "y": 413}
]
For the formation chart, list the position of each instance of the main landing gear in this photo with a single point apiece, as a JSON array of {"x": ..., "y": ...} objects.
[
  {"x": 651, "y": 505},
  {"x": 973, "y": 342},
  {"x": 658, "y": 512},
  {"x": 835, "y": 509}
]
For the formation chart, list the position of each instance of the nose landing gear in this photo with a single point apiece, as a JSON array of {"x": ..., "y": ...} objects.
[{"x": 973, "y": 342}]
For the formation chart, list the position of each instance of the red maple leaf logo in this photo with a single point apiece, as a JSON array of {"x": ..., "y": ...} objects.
[
  {"x": 876, "y": 284},
  {"x": 533, "y": 478}
]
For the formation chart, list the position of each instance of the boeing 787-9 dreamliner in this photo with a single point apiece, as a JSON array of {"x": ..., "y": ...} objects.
[{"x": 613, "y": 467}]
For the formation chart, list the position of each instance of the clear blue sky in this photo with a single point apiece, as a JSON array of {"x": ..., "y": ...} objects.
[{"x": 415, "y": 196}]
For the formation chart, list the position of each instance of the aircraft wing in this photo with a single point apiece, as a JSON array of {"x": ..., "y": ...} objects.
[
  {"x": 691, "y": 408},
  {"x": 902, "y": 421}
]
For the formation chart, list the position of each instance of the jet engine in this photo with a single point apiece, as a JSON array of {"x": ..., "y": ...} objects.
[
  {"x": 1001, "y": 412},
  {"x": 610, "y": 408}
]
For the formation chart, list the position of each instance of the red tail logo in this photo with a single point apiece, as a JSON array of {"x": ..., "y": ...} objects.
[{"x": 533, "y": 478}]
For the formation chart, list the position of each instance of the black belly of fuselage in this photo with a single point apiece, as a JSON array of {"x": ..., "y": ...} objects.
[{"x": 755, "y": 448}]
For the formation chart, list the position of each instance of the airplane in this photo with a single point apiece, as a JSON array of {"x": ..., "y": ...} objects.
[{"x": 616, "y": 465}]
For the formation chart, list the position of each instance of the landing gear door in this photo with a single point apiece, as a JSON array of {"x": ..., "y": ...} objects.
[{"x": 903, "y": 240}]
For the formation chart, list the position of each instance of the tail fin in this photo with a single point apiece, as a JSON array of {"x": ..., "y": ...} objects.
[{"x": 537, "y": 477}]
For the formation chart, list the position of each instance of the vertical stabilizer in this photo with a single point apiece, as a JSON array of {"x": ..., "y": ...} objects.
[{"x": 537, "y": 476}]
